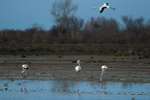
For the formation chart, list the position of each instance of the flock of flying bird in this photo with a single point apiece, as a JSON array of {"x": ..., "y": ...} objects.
[{"x": 78, "y": 67}]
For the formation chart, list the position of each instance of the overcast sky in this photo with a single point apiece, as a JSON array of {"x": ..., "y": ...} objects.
[{"x": 22, "y": 14}]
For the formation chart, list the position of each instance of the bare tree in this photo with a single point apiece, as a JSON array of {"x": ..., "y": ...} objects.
[
  {"x": 101, "y": 23},
  {"x": 62, "y": 11},
  {"x": 133, "y": 25},
  {"x": 67, "y": 24},
  {"x": 135, "y": 28}
]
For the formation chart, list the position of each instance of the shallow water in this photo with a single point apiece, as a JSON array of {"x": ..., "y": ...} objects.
[
  {"x": 49, "y": 80},
  {"x": 74, "y": 90}
]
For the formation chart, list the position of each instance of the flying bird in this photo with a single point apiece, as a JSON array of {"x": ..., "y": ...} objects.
[
  {"x": 24, "y": 67},
  {"x": 105, "y": 5},
  {"x": 78, "y": 67}
]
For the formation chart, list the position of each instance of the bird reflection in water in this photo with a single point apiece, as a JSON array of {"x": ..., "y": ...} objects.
[
  {"x": 103, "y": 87},
  {"x": 24, "y": 87}
]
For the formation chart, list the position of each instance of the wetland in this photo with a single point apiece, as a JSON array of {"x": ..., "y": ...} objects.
[{"x": 53, "y": 77}]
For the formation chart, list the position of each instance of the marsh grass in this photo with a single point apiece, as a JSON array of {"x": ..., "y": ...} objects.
[{"x": 142, "y": 51}]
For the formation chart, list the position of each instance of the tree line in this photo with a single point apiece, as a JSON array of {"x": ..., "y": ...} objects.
[
  {"x": 70, "y": 29},
  {"x": 94, "y": 31}
]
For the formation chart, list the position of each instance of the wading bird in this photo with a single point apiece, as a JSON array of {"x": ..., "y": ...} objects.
[
  {"x": 104, "y": 68},
  {"x": 24, "y": 67},
  {"x": 78, "y": 67},
  {"x": 105, "y": 5}
]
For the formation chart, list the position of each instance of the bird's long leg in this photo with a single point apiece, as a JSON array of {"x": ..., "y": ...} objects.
[
  {"x": 25, "y": 72},
  {"x": 104, "y": 72},
  {"x": 101, "y": 85},
  {"x": 95, "y": 7},
  {"x": 112, "y": 8},
  {"x": 101, "y": 77},
  {"x": 20, "y": 75},
  {"x": 22, "y": 72},
  {"x": 78, "y": 82},
  {"x": 105, "y": 86}
]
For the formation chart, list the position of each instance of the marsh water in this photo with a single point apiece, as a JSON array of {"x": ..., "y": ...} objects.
[
  {"x": 55, "y": 79},
  {"x": 24, "y": 89}
]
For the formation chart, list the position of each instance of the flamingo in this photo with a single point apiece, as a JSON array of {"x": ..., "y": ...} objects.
[
  {"x": 78, "y": 67},
  {"x": 104, "y": 68},
  {"x": 24, "y": 67},
  {"x": 105, "y": 5}
]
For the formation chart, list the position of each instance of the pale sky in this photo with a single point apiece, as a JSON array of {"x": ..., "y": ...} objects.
[{"x": 22, "y": 14}]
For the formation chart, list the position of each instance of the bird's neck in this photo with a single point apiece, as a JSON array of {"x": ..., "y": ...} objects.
[{"x": 96, "y": 7}]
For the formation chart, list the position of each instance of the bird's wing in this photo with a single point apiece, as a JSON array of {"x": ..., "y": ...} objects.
[
  {"x": 25, "y": 66},
  {"x": 102, "y": 9}
]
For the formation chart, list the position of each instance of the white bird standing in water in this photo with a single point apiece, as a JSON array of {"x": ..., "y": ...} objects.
[
  {"x": 24, "y": 67},
  {"x": 105, "y": 5},
  {"x": 78, "y": 67},
  {"x": 104, "y": 68}
]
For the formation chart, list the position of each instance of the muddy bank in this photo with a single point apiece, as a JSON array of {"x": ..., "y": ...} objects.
[{"x": 121, "y": 69}]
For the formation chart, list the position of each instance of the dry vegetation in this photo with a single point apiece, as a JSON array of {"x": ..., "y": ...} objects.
[{"x": 70, "y": 35}]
